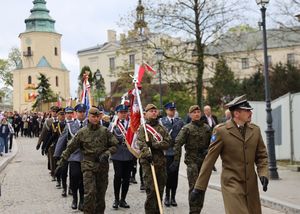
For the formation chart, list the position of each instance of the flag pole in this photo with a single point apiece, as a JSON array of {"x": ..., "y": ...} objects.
[{"x": 159, "y": 202}]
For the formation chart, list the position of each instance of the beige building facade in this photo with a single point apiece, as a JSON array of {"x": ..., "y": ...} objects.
[
  {"x": 40, "y": 53},
  {"x": 243, "y": 51}
]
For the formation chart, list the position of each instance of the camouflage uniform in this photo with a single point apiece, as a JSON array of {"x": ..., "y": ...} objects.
[
  {"x": 159, "y": 162},
  {"x": 196, "y": 137},
  {"x": 93, "y": 141}
]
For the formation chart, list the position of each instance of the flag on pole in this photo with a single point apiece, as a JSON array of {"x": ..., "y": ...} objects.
[
  {"x": 59, "y": 101},
  {"x": 134, "y": 122},
  {"x": 85, "y": 95},
  {"x": 140, "y": 71}
]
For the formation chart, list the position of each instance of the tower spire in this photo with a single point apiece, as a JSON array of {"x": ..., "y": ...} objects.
[
  {"x": 39, "y": 20},
  {"x": 140, "y": 23}
]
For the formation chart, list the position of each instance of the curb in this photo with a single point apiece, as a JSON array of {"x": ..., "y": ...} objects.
[
  {"x": 270, "y": 202},
  {"x": 6, "y": 160}
]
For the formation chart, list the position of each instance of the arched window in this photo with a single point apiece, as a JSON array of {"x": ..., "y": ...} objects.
[
  {"x": 29, "y": 80},
  {"x": 56, "y": 81},
  {"x": 55, "y": 51}
]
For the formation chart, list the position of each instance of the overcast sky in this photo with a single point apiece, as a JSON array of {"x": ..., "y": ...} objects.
[{"x": 83, "y": 23}]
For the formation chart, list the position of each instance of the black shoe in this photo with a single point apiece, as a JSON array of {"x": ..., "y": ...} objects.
[
  {"x": 173, "y": 202},
  {"x": 64, "y": 193},
  {"x": 53, "y": 178},
  {"x": 115, "y": 204},
  {"x": 132, "y": 180},
  {"x": 142, "y": 187},
  {"x": 74, "y": 204},
  {"x": 167, "y": 202},
  {"x": 80, "y": 205},
  {"x": 70, "y": 192},
  {"x": 58, "y": 185},
  {"x": 214, "y": 169},
  {"x": 123, "y": 204}
]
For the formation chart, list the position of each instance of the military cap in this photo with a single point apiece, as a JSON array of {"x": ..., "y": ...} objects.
[
  {"x": 239, "y": 103},
  {"x": 69, "y": 109},
  {"x": 54, "y": 108},
  {"x": 94, "y": 111},
  {"x": 193, "y": 108},
  {"x": 60, "y": 111},
  {"x": 150, "y": 106},
  {"x": 170, "y": 105},
  {"x": 80, "y": 107},
  {"x": 121, "y": 108}
]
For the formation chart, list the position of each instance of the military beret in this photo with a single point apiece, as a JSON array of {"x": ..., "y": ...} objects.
[
  {"x": 69, "y": 109},
  {"x": 170, "y": 105},
  {"x": 94, "y": 111},
  {"x": 80, "y": 107},
  {"x": 121, "y": 108},
  {"x": 150, "y": 106},
  {"x": 193, "y": 108},
  {"x": 54, "y": 108},
  {"x": 239, "y": 103}
]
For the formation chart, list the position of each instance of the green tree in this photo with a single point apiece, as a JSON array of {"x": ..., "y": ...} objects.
[
  {"x": 7, "y": 66},
  {"x": 200, "y": 21},
  {"x": 284, "y": 79},
  {"x": 45, "y": 94},
  {"x": 80, "y": 77},
  {"x": 223, "y": 85},
  {"x": 254, "y": 87}
]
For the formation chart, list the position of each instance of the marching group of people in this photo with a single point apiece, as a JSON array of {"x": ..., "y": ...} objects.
[{"x": 84, "y": 144}]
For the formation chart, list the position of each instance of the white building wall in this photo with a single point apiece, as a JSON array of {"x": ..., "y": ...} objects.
[{"x": 283, "y": 151}]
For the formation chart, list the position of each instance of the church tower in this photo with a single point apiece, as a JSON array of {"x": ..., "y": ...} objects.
[{"x": 40, "y": 53}]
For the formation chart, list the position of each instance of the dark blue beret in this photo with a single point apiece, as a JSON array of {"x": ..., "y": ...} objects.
[{"x": 80, "y": 107}]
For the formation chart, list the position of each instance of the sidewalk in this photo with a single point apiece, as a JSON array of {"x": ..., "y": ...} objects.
[
  {"x": 282, "y": 194},
  {"x": 7, "y": 157}
]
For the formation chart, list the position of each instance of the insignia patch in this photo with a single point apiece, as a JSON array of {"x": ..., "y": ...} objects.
[{"x": 213, "y": 138}]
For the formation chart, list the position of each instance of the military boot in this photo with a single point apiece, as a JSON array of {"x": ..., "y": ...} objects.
[
  {"x": 58, "y": 184},
  {"x": 64, "y": 192},
  {"x": 74, "y": 202},
  {"x": 116, "y": 204},
  {"x": 173, "y": 201},
  {"x": 123, "y": 204},
  {"x": 167, "y": 198},
  {"x": 132, "y": 180},
  {"x": 80, "y": 205}
]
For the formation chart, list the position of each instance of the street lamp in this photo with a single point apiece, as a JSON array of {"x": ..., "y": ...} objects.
[
  {"x": 98, "y": 77},
  {"x": 159, "y": 54},
  {"x": 270, "y": 130}
]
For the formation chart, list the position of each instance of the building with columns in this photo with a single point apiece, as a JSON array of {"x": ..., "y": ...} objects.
[{"x": 40, "y": 53}]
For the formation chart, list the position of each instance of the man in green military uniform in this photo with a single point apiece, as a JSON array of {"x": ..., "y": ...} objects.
[
  {"x": 96, "y": 144},
  {"x": 241, "y": 147},
  {"x": 152, "y": 152},
  {"x": 195, "y": 136}
]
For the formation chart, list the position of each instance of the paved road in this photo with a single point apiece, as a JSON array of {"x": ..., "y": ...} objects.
[{"x": 27, "y": 188}]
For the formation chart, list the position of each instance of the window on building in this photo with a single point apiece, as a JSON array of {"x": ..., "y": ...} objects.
[
  {"x": 112, "y": 64},
  {"x": 29, "y": 81},
  {"x": 270, "y": 61},
  {"x": 55, "y": 51},
  {"x": 28, "y": 51},
  {"x": 245, "y": 63},
  {"x": 131, "y": 60},
  {"x": 56, "y": 81},
  {"x": 291, "y": 58}
]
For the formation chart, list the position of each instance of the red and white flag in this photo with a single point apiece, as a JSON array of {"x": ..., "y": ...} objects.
[{"x": 140, "y": 71}]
